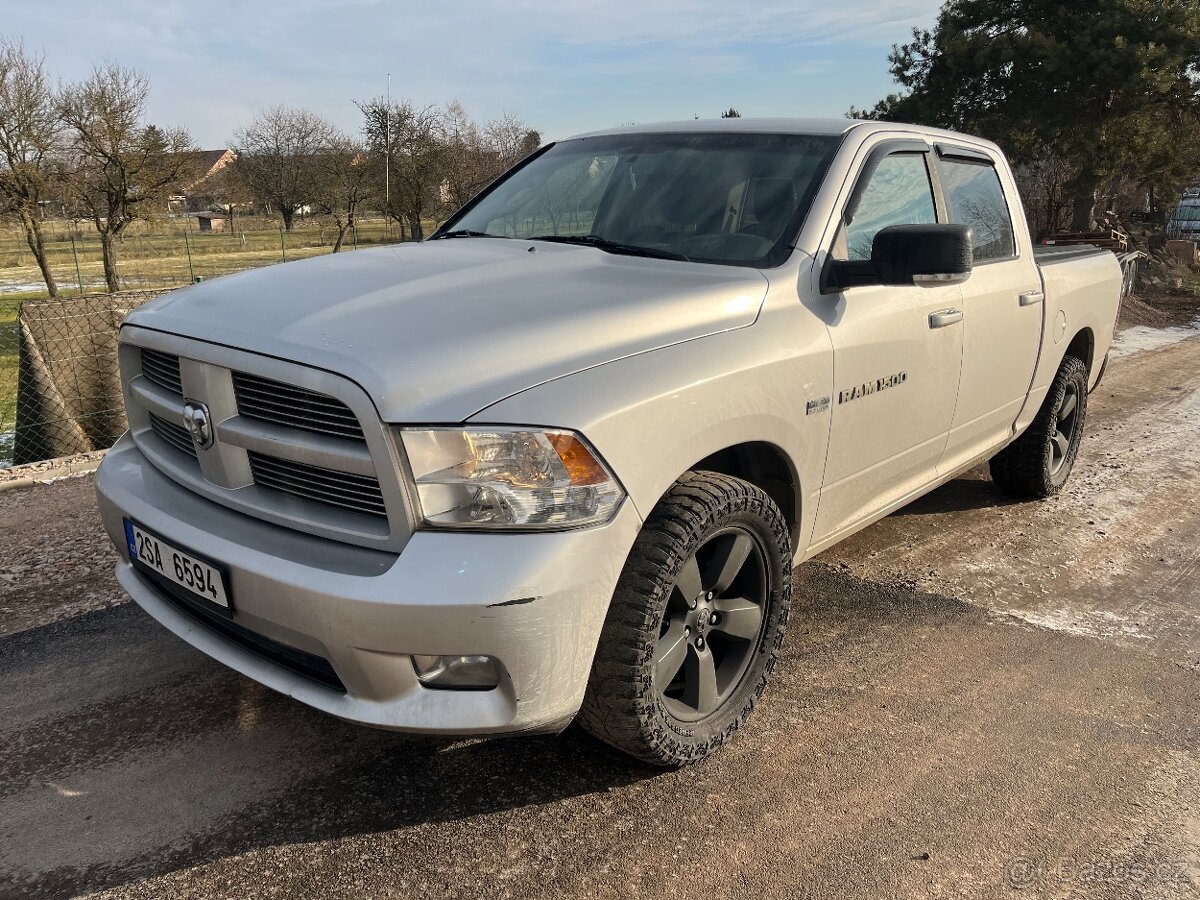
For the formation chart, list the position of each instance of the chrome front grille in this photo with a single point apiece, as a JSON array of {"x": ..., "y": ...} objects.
[
  {"x": 163, "y": 369},
  {"x": 294, "y": 407},
  {"x": 175, "y": 435},
  {"x": 289, "y": 443},
  {"x": 359, "y": 493}
]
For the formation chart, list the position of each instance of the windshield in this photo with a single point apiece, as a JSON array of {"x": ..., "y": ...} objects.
[{"x": 734, "y": 199}]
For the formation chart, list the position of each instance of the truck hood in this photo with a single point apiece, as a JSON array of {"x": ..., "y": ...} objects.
[{"x": 436, "y": 332}]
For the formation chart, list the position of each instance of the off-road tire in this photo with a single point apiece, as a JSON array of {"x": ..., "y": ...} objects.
[
  {"x": 1025, "y": 468},
  {"x": 623, "y": 706}
]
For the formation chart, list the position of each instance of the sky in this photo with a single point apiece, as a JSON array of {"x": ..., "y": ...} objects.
[{"x": 564, "y": 67}]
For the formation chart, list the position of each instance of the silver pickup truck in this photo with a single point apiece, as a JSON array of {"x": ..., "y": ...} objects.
[{"x": 559, "y": 460}]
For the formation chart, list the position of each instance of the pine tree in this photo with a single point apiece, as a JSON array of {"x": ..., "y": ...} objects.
[{"x": 1108, "y": 85}]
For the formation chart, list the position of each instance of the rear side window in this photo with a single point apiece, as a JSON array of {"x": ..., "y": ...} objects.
[
  {"x": 975, "y": 198},
  {"x": 899, "y": 193}
]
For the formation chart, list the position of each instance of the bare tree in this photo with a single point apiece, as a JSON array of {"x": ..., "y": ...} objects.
[
  {"x": 278, "y": 157},
  {"x": 346, "y": 183},
  {"x": 119, "y": 168},
  {"x": 511, "y": 139},
  {"x": 465, "y": 161},
  {"x": 407, "y": 142},
  {"x": 474, "y": 156},
  {"x": 437, "y": 160},
  {"x": 30, "y": 139},
  {"x": 1045, "y": 188}
]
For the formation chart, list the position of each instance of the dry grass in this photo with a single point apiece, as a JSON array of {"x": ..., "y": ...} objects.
[
  {"x": 169, "y": 254},
  {"x": 152, "y": 255}
]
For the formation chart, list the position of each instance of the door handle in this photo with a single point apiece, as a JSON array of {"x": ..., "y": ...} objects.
[
  {"x": 1031, "y": 297},
  {"x": 944, "y": 317}
]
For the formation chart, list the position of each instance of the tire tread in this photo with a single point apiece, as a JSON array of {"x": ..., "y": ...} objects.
[
  {"x": 620, "y": 706},
  {"x": 1022, "y": 468}
]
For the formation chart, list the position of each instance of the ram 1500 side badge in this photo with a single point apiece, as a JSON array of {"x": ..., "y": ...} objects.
[{"x": 871, "y": 387}]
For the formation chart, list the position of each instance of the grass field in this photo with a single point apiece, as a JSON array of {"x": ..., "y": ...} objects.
[
  {"x": 168, "y": 253},
  {"x": 152, "y": 255},
  {"x": 9, "y": 303}
]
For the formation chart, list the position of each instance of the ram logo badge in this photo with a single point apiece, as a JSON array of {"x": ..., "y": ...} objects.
[
  {"x": 198, "y": 423},
  {"x": 871, "y": 387}
]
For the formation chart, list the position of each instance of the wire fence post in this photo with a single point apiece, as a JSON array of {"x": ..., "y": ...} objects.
[
  {"x": 78, "y": 273},
  {"x": 282, "y": 245},
  {"x": 188, "y": 245}
]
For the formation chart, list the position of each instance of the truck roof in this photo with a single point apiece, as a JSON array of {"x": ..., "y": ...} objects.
[{"x": 781, "y": 125}]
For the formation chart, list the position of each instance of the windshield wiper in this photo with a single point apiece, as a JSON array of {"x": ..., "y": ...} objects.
[
  {"x": 601, "y": 243},
  {"x": 466, "y": 233}
]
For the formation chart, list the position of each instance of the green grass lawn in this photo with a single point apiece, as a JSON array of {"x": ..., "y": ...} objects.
[{"x": 9, "y": 304}]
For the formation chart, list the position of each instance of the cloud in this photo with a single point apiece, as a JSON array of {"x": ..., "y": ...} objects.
[
  {"x": 721, "y": 22},
  {"x": 812, "y": 67},
  {"x": 212, "y": 65}
]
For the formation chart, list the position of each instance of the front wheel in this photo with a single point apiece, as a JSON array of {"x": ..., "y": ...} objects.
[
  {"x": 1039, "y": 462},
  {"x": 696, "y": 622}
]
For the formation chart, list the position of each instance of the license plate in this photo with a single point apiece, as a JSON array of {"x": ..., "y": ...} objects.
[{"x": 184, "y": 569}]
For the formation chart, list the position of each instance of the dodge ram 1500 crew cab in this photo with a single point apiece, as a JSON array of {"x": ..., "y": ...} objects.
[{"x": 559, "y": 460}]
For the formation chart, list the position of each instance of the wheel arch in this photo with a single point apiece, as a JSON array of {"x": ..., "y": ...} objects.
[
  {"x": 766, "y": 466},
  {"x": 1083, "y": 348}
]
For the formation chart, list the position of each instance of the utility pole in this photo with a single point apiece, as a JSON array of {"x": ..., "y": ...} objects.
[
  {"x": 78, "y": 274},
  {"x": 387, "y": 161},
  {"x": 188, "y": 246}
]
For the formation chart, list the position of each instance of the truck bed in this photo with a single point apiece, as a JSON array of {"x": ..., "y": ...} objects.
[{"x": 1048, "y": 254}]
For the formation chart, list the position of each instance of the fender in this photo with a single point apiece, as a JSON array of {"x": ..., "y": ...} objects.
[{"x": 760, "y": 395}]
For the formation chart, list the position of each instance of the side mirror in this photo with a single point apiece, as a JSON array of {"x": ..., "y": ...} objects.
[{"x": 907, "y": 255}]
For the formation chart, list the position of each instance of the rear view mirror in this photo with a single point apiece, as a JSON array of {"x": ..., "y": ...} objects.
[{"x": 907, "y": 255}]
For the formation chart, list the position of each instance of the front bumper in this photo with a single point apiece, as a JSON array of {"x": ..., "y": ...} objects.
[{"x": 535, "y": 602}]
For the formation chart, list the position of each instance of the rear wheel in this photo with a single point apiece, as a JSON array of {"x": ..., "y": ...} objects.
[
  {"x": 1039, "y": 462},
  {"x": 695, "y": 625}
]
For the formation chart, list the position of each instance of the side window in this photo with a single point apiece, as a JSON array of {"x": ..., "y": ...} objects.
[
  {"x": 899, "y": 193},
  {"x": 974, "y": 197}
]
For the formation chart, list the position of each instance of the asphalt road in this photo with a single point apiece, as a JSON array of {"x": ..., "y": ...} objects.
[{"x": 978, "y": 699}]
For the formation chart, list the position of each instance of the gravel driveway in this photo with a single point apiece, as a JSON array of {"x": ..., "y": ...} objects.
[{"x": 978, "y": 699}]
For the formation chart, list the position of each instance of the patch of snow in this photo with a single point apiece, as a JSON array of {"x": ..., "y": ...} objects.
[
  {"x": 67, "y": 289},
  {"x": 1088, "y": 623},
  {"x": 21, "y": 287},
  {"x": 1141, "y": 338}
]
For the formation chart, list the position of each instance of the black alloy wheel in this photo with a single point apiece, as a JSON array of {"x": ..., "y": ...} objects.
[
  {"x": 1039, "y": 462},
  {"x": 712, "y": 622},
  {"x": 696, "y": 624}
]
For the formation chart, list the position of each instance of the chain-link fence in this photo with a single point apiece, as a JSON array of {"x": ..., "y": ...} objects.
[
  {"x": 170, "y": 253},
  {"x": 60, "y": 390}
]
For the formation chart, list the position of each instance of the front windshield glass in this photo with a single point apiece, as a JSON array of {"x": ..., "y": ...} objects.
[{"x": 735, "y": 199}]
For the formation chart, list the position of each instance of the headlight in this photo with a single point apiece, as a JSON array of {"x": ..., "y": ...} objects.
[{"x": 509, "y": 478}]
